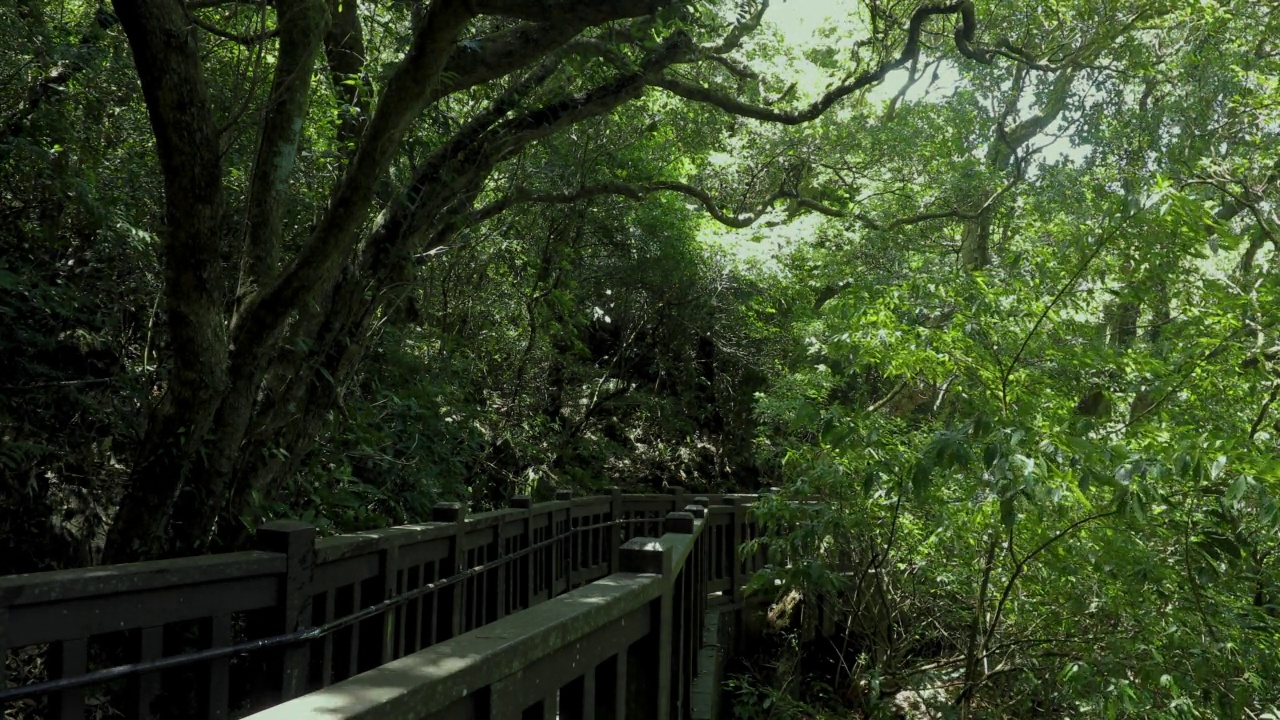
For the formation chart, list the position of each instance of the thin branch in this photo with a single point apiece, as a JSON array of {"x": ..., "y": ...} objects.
[
  {"x": 1062, "y": 291},
  {"x": 953, "y": 213},
  {"x": 1184, "y": 371},
  {"x": 1021, "y": 567},
  {"x": 205, "y": 4},
  {"x": 1262, "y": 412},
  {"x": 247, "y": 40},
  {"x": 56, "y": 383},
  {"x": 637, "y": 192},
  {"x": 571, "y": 11},
  {"x": 885, "y": 400},
  {"x": 735, "y": 68},
  {"x": 910, "y": 51}
]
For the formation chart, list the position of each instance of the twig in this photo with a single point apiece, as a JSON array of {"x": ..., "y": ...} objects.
[
  {"x": 1062, "y": 291},
  {"x": 57, "y": 383},
  {"x": 1266, "y": 407}
]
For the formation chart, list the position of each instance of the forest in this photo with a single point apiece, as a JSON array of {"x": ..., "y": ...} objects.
[{"x": 994, "y": 283}]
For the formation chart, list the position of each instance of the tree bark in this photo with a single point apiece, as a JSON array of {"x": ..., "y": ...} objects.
[{"x": 167, "y": 58}]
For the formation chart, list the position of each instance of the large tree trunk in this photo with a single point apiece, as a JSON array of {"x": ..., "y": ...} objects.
[{"x": 168, "y": 62}]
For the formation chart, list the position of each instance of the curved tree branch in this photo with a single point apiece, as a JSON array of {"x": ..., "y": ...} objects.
[
  {"x": 637, "y": 192},
  {"x": 568, "y": 11},
  {"x": 522, "y": 195},
  {"x": 247, "y": 40},
  {"x": 910, "y": 51},
  {"x": 1266, "y": 408}
]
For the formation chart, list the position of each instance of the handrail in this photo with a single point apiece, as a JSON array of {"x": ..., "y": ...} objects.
[
  {"x": 460, "y": 670},
  {"x": 454, "y": 574},
  {"x": 284, "y": 639}
]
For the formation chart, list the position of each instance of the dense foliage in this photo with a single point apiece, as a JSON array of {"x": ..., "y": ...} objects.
[{"x": 1012, "y": 321}]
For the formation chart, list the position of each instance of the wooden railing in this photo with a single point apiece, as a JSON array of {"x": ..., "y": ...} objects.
[{"x": 574, "y": 597}]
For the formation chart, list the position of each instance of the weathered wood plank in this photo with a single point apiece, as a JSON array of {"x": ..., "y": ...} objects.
[
  {"x": 345, "y": 571},
  {"x": 146, "y": 686},
  {"x": 63, "y": 585},
  {"x": 68, "y": 659},
  {"x": 80, "y": 618},
  {"x": 218, "y": 685}
]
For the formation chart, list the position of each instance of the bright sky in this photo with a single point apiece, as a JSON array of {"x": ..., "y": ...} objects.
[
  {"x": 799, "y": 19},
  {"x": 799, "y": 22}
]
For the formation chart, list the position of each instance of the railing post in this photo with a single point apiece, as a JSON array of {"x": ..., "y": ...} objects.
[
  {"x": 678, "y": 522},
  {"x": 685, "y": 618},
  {"x": 647, "y": 662},
  {"x": 454, "y": 596},
  {"x": 677, "y": 494},
  {"x": 297, "y": 541}
]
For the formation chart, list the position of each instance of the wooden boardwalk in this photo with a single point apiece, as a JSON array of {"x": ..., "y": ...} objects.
[{"x": 593, "y": 607}]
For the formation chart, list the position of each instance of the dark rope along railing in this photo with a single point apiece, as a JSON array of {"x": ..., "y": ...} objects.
[{"x": 299, "y": 636}]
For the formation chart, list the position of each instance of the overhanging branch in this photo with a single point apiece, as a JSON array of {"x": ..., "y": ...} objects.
[
  {"x": 910, "y": 51},
  {"x": 521, "y": 196},
  {"x": 246, "y": 40}
]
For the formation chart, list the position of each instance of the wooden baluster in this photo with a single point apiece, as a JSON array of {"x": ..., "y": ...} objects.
[
  {"x": 431, "y": 616},
  {"x": 407, "y": 613},
  {"x": 353, "y": 651},
  {"x": 499, "y": 582},
  {"x": 616, "y": 530},
  {"x": 67, "y": 659},
  {"x": 524, "y": 566},
  {"x": 476, "y": 598},
  {"x": 392, "y": 624},
  {"x": 541, "y": 568},
  {"x": 566, "y": 541},
  {"x": 217, "y": 690},
  {"x": 326, "y": 643},
  {"x": 418, "y": 610},
  {"x": 4, "y": 647},
  {"x": 611, "y": 681},
  {"x": 145, "y": 687}
]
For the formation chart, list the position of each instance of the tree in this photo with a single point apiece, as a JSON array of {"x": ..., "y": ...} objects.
[
  {"x": 258, "y": 360},
  {"x": 1042, "y": 419}
]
